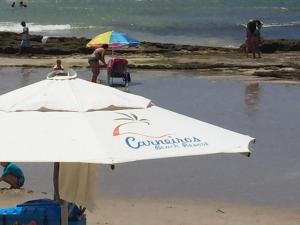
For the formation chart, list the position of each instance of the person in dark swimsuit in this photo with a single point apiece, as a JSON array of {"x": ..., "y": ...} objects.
[{"x": 93, "y": 60}]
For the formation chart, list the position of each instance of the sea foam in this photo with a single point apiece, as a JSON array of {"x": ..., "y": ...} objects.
[{"x": 33, "y": 27}]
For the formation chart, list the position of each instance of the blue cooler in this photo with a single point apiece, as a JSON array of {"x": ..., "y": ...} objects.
[
  {"x": 40, "y": 212},
  {"x": 9, "y": 215}
]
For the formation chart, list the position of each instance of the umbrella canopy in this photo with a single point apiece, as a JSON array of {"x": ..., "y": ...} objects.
[
  {"x": 113, "y": 39},
  {"x": 64, "y": 94},
  {"x": 72, "y": 120}
]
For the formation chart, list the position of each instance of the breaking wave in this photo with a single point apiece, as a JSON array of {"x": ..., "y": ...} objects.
[
  {"x": 33, "y": 27},
  {"x": 288, "y": 24}
]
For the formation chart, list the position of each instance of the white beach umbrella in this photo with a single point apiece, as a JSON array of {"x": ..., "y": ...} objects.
[{"x": 67, "y": 119}]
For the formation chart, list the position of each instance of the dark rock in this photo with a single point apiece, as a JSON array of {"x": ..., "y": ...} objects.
[
  {"x": 86, "y": 51},
  {"x": 71, "y": 45},
  {"x": 10, "y": 50},
  {"x": 271, "y": 46},
  {"x": 282, "y": 74},
  {"x": 36, "y": 50},
  {"x": 37, "y": 38}
]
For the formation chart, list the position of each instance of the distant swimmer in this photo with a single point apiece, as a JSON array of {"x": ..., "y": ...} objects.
[{"x": 21, "y": 4}]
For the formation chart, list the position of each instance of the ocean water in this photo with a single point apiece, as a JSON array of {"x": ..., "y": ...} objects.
[{"x": 213, "y": 22}]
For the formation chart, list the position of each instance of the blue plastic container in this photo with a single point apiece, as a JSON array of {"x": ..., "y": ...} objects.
[{"x": 39, "y": 212}]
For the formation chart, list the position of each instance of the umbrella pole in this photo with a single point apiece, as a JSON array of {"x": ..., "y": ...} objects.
[
  {"x": 63, "y": 204},
  {"x": 64, "y": 213},
  {"x": 55, "y": 182}
]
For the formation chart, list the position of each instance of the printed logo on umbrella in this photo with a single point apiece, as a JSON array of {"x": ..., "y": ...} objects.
[
  {"x": 132, "y": 118},
  {"x": 137, "y": 140}
]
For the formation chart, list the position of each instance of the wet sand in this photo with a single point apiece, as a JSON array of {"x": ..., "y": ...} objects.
[
  {"x": 217, "y": 189},
  {"x": 135, "y": 211}
]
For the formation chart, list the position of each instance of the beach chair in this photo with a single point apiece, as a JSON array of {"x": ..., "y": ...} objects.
[{"x": 117, "y": 68}]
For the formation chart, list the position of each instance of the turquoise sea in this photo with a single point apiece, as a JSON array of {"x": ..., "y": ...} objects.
[{"x": 213, "y": 22}]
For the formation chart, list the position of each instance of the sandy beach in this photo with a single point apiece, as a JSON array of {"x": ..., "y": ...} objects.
[{"x": 134, "y": 211}]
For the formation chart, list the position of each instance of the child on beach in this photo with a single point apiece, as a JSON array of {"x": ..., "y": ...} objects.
[
  {"x": 58, "y": 65},
  {"x": 13, "y": 175}
]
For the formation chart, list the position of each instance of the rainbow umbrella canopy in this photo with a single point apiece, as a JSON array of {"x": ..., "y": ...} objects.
[{"x": 113, "y": 39}]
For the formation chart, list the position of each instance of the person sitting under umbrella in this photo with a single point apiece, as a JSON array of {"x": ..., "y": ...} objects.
[
  {"x": 93, "y": 60},
  {"x": 13, "y": 175}
]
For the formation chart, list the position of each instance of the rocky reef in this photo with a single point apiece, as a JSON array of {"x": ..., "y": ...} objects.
[
  {"x": 73, "y": 45},
  {"x": 280, "y": 58}
]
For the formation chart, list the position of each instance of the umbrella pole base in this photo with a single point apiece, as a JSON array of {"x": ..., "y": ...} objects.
[{"x": 64, "y": 213}]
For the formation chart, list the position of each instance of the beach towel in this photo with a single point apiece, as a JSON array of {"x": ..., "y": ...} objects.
[{"x": 77, "y": 184}]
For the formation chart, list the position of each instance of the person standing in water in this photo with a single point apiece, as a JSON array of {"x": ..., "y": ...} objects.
[
  {"x": 256, "y": 39},
  {"x": 253, "y": 38},
  {"x": 93, "y": 60}
]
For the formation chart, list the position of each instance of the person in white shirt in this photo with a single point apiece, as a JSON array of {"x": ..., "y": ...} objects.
[{"x": 25, "y": 43}]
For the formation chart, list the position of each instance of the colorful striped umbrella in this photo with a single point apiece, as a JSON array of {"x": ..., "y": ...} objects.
[{"x": 113, "y": 39}]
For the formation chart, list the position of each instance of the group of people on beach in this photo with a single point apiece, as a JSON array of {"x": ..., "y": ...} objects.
[
  {"x": 93, "y": 60},
  {"x": 253, "y": 38},
  {"x": 252, "y": 44}
]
